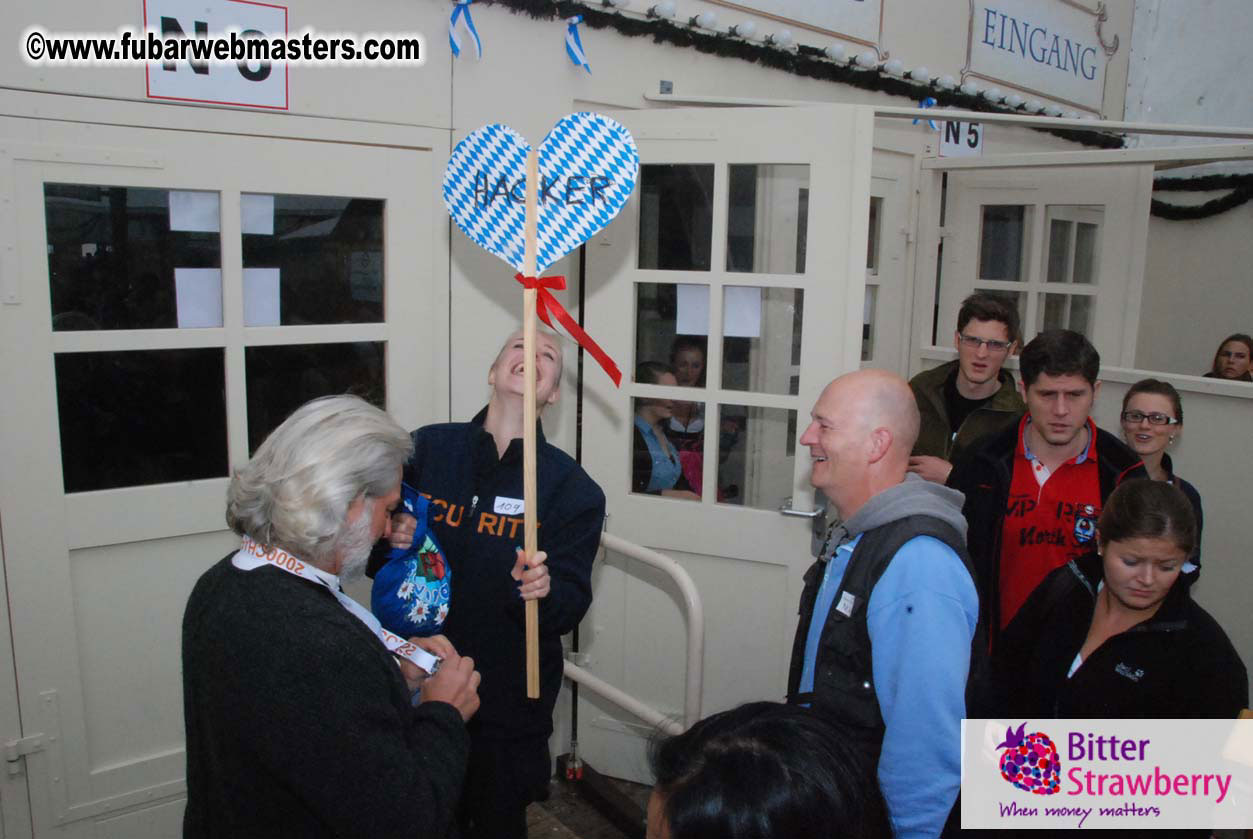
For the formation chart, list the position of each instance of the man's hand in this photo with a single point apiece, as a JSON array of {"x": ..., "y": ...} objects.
[
  {"x": 403, "y": 528},
  {"x": 533, "y": 574},
  {"x": 934, "y": 469},
  {"x": 457, "y": 683},
  {"x": 436, "y": 645}
]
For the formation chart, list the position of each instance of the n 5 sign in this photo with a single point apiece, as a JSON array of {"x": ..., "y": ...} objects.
[
  {"x": 961, "y": 139},
  {"x": 259, "y": 84}
]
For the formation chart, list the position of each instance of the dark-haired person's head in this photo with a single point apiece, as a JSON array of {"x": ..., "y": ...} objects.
[
  {"x": 1233, "y": 357},
  {"x": 987, "y": 334},
  {"x": 763, "y": 770},
  {"x": 1152, "y": 415},
  {"x": 687, "y": 355},
  {"x": 1059, "y": 384},
  {"x": 1146, "y": 533},
  {"x": 652, "y": 372}
]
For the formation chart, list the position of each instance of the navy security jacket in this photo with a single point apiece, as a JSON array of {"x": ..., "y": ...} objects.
[{"x": 476, "y": 514}]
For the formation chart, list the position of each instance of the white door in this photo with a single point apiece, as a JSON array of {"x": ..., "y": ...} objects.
[
  {"x": 751, "y": 252},
  {"x": 1066, "y": 245},
  {"x": 889, "y": 249},
  {"x": 168, "y": 296}
]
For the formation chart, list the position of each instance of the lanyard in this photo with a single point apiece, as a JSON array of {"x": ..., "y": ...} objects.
[{"x": 252, "y": 556}]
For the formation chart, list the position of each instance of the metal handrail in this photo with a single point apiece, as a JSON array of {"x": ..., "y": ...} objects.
[{"x": 695, "y": 617}]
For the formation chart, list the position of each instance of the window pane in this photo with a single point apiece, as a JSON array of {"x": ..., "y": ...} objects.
[
  {"x": 756, "y": 454},
  {"x": 676, "y": 216},
  {"x": 667, "y": 446},
  {"x": 1059, "y": 251},
  {"x": 671, "y": 325},
  {"x": 760, "y": 328},
  {"x": 867, "y": 323},
  {"x": 1001, "y": 242},
  {"x": 311, "y": 259},
  {"x": 281, "y": 379},
  {"x": 872, "y": 245},
  {"x": 130, "y": 258},
  {"x": 766, "y": 218},
  {"x": 1068, "y": 311},
  {"x": 141, "y": 417},
  {"x": 1085, "y": 252}
]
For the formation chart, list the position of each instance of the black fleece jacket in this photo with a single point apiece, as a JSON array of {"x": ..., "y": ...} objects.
[
  {"x": 985, "y": 474},
  {"x": 476, "y": 515},
  {"x": 1177, "y": 664},
  {"x": 299, "y": 723}
]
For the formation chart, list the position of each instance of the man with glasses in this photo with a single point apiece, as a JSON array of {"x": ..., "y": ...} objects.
[
  {"x": 969, "y": 398},
  {"x": 1034, "y": 491}
]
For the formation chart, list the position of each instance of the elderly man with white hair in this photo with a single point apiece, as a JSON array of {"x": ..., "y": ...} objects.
[
  {"x": 888, "y": 614},
  {"x": 298, "y": 706}
]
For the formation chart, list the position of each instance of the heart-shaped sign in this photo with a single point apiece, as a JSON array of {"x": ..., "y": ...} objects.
[{"x": 587, "y": 168}]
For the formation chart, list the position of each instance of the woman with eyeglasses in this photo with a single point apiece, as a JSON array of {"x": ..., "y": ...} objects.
[
  {"x": 1152, "y": 416},
  {"x": 1233, "y": 359}
]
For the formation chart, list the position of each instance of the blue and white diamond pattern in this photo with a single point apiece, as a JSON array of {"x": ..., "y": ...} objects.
[{"x": 582, "y": 145}]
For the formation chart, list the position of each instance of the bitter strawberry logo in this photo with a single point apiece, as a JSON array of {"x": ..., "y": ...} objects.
[{"x": 1030, "y": 761}]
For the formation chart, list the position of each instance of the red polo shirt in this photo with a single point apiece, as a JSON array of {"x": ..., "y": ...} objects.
[{"x": 1050, "y": 518}]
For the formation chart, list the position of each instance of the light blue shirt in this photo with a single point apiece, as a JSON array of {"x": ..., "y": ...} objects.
[{"x": 921, "y": 619}]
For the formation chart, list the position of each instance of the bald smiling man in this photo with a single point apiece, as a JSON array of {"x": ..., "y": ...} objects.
[{"x": 889, "y": 610}]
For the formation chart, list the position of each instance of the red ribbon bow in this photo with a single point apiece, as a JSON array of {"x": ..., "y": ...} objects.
[{"x": 545, "y": 303}]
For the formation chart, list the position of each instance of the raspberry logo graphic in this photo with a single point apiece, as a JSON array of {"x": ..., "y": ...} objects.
[{"x": 1030, "y": 761}]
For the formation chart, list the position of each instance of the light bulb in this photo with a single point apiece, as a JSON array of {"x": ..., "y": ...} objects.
[
  {"x": 743, "y": 30},
  {"x": 946, "y": 82},
  {"x": 894, "y": 67},
  {"x": 665, "y": 8},
  {"x": 970, "y": 88},
  {"x": 1013, "y": 100},
  {"x": 993, "y": 94},
  {"x": 1034, "y": 106},
  {"x": 867, "y": 59},
  {"x": 920, "y": 74},
  {"x": 835, "y": 52},
  {"x": 705, "y": 20}
]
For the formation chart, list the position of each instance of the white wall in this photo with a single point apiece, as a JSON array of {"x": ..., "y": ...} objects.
[
  {"x": 1190, "y": 65},
  {"x": 1198, "y": 287}
]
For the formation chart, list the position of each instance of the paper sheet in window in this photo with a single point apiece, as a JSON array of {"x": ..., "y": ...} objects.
[
  {"x": 256, "y": 214},
  {"x": 197, "y": 212},
  {"x": 741, "y": 311},
  {"x": 261, "y": 297},
  {"x": 692, "y": 305},
  {"x": 199, "y": 295}
]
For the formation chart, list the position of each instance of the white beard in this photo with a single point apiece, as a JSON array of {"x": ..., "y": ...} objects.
[{"x": 354, "y": 547}]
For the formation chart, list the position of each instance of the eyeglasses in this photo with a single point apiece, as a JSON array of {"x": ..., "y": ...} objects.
[
  {"x": 975, "y": 343},
  {"x": 1137, "y": 417}
]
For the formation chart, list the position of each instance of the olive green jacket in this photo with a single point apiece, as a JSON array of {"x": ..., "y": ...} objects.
[{"x": 934, "y": 437}]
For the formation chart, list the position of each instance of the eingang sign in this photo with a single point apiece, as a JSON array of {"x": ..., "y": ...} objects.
[{"x": 1052, "y": 49}]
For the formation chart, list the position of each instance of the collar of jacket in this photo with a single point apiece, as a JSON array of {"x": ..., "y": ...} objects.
[
  {"x": 480, "y": 438},
  {"x": 1172, "y": 616},
  {"x": 1005, "y": 399}
]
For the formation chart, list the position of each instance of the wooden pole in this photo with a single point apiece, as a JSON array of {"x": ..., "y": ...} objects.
[{"x": 531, "y": 539}]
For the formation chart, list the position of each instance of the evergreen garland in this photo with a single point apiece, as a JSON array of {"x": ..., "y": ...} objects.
[
  {"x": 1241, "y": 187},
  {"x": 809, "y": 62}
]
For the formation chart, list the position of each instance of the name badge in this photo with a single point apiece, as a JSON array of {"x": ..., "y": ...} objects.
[
  {"x": 508, "y": 506},
  {"x": 846, "y": 604}
]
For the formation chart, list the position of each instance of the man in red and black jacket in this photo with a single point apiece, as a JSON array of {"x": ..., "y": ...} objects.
[{"x": 1035, "y": 491}]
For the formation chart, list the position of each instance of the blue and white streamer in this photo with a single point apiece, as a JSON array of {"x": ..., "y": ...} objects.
[
  {"x": 929, "y": 102},
  {"x": 485, "y": 182},
  {"x": 462, "y": 10},
  {"x": 574, "y": 44}
]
